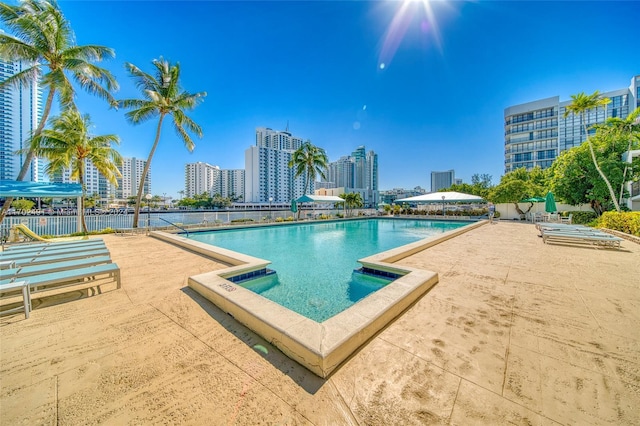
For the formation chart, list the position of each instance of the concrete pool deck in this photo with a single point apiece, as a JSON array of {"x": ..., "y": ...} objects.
[{"x": 516, "y": 331}]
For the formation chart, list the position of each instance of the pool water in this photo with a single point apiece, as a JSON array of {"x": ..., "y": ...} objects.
[{"x": 315, "y": 262}]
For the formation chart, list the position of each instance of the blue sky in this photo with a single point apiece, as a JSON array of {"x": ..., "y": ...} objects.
[{"x": 436, "y": 104}]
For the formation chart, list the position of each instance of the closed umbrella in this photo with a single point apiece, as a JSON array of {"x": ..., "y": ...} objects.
[
  {"x": 294, "y": 206},
  {"x": 550, "y": 203}
]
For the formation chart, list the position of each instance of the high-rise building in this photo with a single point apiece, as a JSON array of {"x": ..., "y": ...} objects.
[
  {"x": 268, "y": 176},
  {"x": 357, "y": 172},
  {"x": 442, "y": 180},
  {"x": 203, "y": 177},
  {"x": 20, "y": 113},
  {"x": 200, "y": 178},
  {"x": 536, "y": 132},
  {"x": 96, "y": 184},
  {"x": 131, "y": 171}
]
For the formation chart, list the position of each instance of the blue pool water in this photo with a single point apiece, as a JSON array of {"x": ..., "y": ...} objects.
[{"x": 314, "y": 262}]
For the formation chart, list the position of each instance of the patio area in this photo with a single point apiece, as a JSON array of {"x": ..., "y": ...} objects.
[{"x": 516, "y": 331}]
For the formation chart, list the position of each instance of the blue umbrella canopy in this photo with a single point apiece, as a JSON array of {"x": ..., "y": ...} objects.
[
  {"x": 294, "y": 206},
  {"x": 550, "y": 203}
]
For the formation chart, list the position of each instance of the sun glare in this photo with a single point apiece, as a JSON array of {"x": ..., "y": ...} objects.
[{"x": 407, "y": 14}]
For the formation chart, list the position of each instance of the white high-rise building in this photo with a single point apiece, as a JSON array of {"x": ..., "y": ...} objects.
[
  {"x": 537, "y": 132},
  {"x": 131, "y": 170},
  {"x": 268, "y": 176},
  {"x": 96, "y": 184},
  {"x": 205, "y": 178},
  {"x": 20, "y": 113},
  {"x": 200, "y": 178}
]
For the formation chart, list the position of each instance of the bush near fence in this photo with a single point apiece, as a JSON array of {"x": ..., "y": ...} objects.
[
  {"x": 580, "y": 217},
  {"x": 627, "y": 222}
]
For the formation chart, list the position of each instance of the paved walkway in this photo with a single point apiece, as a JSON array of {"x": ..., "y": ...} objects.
[{"x": 516, "y": 331}]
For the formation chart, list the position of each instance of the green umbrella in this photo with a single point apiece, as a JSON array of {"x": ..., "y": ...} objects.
[
  {"x": 294, "y": 206},
  {"x": 533, "y": 200},
  {"x": 550, "y": 203}
]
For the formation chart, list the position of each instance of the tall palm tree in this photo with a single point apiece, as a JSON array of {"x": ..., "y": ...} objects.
[
  {"x": 68, "y": 144},
  {"x": 45, "y": 42},
  {"x": 309, "y": 161},
  {"x": 162, "y": 96},
  {"x": 581, "y": 104},
  {"x": 627, "y": 129}
]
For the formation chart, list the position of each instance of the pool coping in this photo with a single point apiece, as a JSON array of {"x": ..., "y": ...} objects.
[{"x": 320, "y": 347}]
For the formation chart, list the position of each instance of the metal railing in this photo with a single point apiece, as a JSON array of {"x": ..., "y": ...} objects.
[{"x": 173, "y": 224}]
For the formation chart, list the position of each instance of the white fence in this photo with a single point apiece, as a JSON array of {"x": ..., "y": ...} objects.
[{"x": 64, "y": 225}]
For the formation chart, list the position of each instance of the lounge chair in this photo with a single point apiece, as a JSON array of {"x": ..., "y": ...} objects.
[
  {"x": 59, "y": 244},
  {"x": 10, "y": 289},
  {"x": 36, "y": 259},
  {"x": 599, "y": 239},
  {"x": 71, "y": 277},
  {"x": 54, "y": 247},
  {"x": 45, "y": 268}
]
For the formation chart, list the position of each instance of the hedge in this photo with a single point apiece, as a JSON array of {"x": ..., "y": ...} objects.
[{"x": 627, "y": 222}]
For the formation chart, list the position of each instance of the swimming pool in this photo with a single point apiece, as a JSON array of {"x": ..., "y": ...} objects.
[
  {"x": 315, "y": 262},
  {"x": 319, "y": 346}
]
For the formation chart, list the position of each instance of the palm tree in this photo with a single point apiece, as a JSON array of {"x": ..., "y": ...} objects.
[
  {"x": 162, "y": 95},
  {"x": 309, "y": 161},
  {"x": 351, "y": 200},
  {"x": 68, "y": 144},
  {"x": 581, "y": 104},
  {"x": 627, "y": 129},
  {"x": 45, "y": 42}
]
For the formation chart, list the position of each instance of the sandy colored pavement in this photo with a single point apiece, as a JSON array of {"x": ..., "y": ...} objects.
[{"x": 515, "y": 332}]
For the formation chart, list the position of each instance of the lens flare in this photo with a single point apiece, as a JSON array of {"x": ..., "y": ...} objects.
[{"x": 408, "y": 11}]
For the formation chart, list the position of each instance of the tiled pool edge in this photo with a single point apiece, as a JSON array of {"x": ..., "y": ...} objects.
[{"x": 320, "y": 347}]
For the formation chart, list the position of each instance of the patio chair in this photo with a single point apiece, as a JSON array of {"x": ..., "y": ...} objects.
[
  {"x": 45, "y": 268},
  {"x": 36, "y": 259},
  {"x": 567, "y": 219},
  {"x": 10, "y": 289}
]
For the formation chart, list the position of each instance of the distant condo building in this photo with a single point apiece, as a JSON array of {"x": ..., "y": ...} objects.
[
  {"x": 357, "y": 172},
  {"x": 268, "y": 177},
  {"x": 442, "y": 180},
  {"x": 535, "y": 133},
  {"x": 205, "y": 178},
  {"x": 20, "y": 113},
  {"x": 389, "y": 196},
  {"x": 96, "y": 184}
]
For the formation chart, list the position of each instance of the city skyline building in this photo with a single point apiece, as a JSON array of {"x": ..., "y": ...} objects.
[
  {"x": 536, "y": 132},
  {"x": 96, "y": 184},
  {"x": 268, "y": 177},
  {"x": 357, "y": 172},
  {"x": 202, "y": 177},
  {"x": 20, "y": 113},
  {"x": 442, "y": 180}
]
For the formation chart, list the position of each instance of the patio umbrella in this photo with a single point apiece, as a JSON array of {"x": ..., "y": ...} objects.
[
  {"x": 294, "y": 206},
  {"x": 550, "y": 203}
]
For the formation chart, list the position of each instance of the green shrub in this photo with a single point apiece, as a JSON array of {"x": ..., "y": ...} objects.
[
  {"x": 581, "y": 218},
  {"x": 242, "y": 220},
  {"x": 627, "y": 222}
]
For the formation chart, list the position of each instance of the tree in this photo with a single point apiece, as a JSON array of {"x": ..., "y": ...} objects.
[
  {"x": 68, "y": 144},
  {"x": 352, "y": 200},
  {"x": 45, "y": 42},
  {"x": 480, "y": 185},
  {"x": 309, "y": 161},
  {"x": 162, "y": 96},
  {"x": 574, "y": 178},
  {"x": 518, "y": 185},
  {"x": 626, "y": 129},
  {"x": 581, "y": 104},
  {"x": 22, "y": 204}
]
